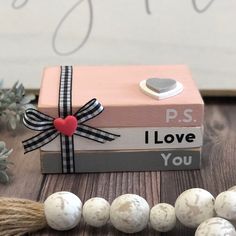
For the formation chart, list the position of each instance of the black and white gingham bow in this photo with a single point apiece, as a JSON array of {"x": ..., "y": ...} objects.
[{"x": 36, "y": 120}]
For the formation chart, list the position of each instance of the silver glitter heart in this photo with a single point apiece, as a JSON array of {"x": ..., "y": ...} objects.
[{"x": 161, "y": 85}]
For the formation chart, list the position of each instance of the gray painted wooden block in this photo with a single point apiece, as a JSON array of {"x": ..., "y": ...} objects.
[{"x": 109, "y": 161}]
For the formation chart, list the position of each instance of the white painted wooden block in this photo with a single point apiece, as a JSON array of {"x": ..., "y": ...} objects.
[{"x": 139, "y": 138}]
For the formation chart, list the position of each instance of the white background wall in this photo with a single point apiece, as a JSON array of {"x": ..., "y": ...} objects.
[{"x": 119, "y": 32}]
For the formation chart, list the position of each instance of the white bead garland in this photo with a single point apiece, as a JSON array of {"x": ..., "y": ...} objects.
[{"x": 130, "y": 213}]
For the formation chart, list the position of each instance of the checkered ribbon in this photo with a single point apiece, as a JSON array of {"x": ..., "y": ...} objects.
[{"x": 36, "y": 120}]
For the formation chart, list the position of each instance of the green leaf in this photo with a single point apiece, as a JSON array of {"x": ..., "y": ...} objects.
[
  {"x": 27, "y": 106},
  {"x": 4, "y": 177},
  {"x": 3, "y": 165},
  {"x": 3, "y": 161},
  {"x": 5, "y": 153},
  {"x": 13, "y": 103},
  {"x": 27, "y": 99},
  {"x": 17, "y": 117},
  {"x": 2, "y": 145},
  {"x": 12, "y": 122},
  {"x": 12, "y": 106}
]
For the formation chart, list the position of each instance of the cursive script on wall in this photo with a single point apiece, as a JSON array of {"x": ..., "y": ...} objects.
[
  {"x": 18, "y": 4},
  {"x": 204, "y": 8},
  {"x": 81, "y": 42}
]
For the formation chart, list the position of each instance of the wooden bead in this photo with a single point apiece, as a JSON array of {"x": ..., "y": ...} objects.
[
  {"x": 232, "y": 189},
  {"x": 215, "y": 226},
  {"x": 162, "y": 217},
  {"x": 96, "y": 211},
  {"x": 225, "y": 205},
  {"x": 62, "y": 210},
  {"x": 129, "y": 213},
  {"x": 194, "y": 206}
]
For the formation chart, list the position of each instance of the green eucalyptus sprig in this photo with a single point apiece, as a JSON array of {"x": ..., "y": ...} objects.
[
  {"x": 13, "y": 103},
  {"x": 4, "y": 163}
]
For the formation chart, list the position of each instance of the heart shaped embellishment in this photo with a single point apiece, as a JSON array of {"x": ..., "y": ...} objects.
[
  {"x": 161, "y": 85},
  {"x": 66, "y": 126}
]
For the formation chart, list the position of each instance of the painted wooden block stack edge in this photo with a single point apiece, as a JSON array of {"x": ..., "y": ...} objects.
[{"x": 155, "y": 135}]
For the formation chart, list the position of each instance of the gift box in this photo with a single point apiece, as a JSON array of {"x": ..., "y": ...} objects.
[{"x": 101, "y": 118}]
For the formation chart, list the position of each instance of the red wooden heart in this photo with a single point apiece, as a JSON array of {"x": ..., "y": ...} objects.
[{"x": 66, "y": 126}]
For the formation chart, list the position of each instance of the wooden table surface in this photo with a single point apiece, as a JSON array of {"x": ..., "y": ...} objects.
[{"x": 217, "y": 173}]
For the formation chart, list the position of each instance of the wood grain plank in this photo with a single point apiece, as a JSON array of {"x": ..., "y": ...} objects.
[
  {"x": 26, "y": 178},
  {"x": 218, "y": 165}
]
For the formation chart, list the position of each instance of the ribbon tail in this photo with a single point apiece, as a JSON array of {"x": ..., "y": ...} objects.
[
  {"x": 95, "y": 134},
  {"x": 39, "y": 140}
]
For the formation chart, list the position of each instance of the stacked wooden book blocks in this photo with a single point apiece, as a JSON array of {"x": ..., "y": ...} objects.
[{"x": 155, "y": 134}]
